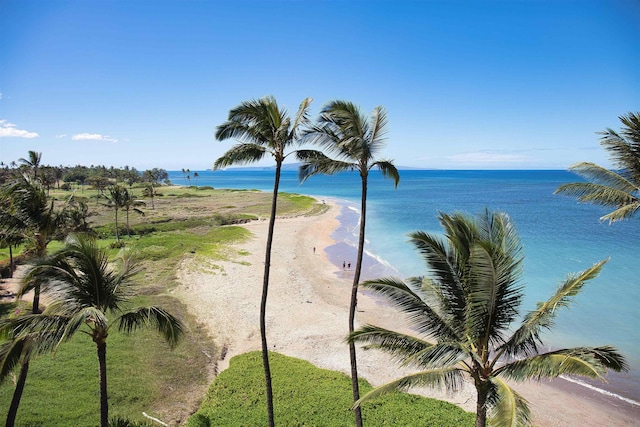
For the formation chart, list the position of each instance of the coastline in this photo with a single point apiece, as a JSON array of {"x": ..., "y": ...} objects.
[{"x": 307, "y": 316}]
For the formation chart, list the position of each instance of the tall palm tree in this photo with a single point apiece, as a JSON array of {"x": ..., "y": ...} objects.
[
  {"x": 619, "y": 189},
  {"x": 85, "y": 290},
  {"x": 462, "y": 312},
  {"x": 263, "y": 128},
  {"x": 354, "y": 141}
]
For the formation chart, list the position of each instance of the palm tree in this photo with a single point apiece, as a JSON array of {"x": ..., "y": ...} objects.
[
  {"x": 32, "y": 163},
  {"x": 345, "y": 132},
  {"x": 615, "y": 189},
  {"x": 262, "y": 128},
  {"x": 131, "y": 204},
  {"x": 21, "y": 346},
  {"x": 149, "y": 190},
  {"x": 117, "y": 199},
  {"x": 196, "y": 175},
  {"x": 85, "y": 290},
  {"x": 463, "y": 310},
  {"x": 32, "y": 214}
]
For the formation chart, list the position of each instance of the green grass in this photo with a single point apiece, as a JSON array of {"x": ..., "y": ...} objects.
[
  {"x": 64, "y": 387},
  {"x": 305, "y": 395}
]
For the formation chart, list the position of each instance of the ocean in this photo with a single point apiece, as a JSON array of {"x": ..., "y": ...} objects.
[{"x": 560, "y": 236}]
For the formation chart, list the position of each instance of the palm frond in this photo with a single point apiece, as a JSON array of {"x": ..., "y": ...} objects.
[
  {"x": 591, "y": 362},
  {"x": 240, "y": 154},
  {"x": 401, "y": 346},
  {"x": 166, "y": 324},
  {"x": 526, "y": 338},
  {"x": 420, "y": 315},
  {"x": 446, "y": 278},
  {"x": 506, "y": 408},
  {"x": 316, "y": 162},
  {"x": 449, "y": 378},
  {"x": 388, "y": 170},
  {"x": 11, "y": 353},
  {"x": 301, "y": 120}
]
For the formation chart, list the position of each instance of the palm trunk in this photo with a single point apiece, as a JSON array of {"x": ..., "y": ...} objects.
[
  {"x": 12, "y": 266},
  {"x": 354, "y": 302},
  {"x": 102, "y": 362},
  {"x": 481, "y": 405},
  {"x": 117, "y": 237},
  {"x": 263, "y": 302},
  {"x": 17, "y": 393},
  {"x": 128, "y": 231}
]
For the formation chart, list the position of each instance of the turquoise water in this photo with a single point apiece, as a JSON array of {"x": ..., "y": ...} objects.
[{"x": 560, "y": 236}]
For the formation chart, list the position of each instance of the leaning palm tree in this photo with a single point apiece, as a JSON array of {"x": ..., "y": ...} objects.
[
  {"x": 354, "y": 142},
  {"x": 619, "y": 189},
  {"x": 462, "y": 313},
  {"x": 23, "y": 342},
  {"x": 263, "y": 129},
  {"x": 85, "y": 289}
]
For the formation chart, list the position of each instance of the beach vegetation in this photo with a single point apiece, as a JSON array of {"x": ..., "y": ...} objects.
[
  {"x": 463, "y": 311},
  {"x": 311, "y": 396},
  {"x": 85, "y": 289},
  {"x": 620, "y": 188},
  {"x": 350, "y": 142},
  {"x": 263, "y": 129}
]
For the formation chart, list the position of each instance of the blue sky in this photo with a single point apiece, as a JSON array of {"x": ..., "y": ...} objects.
[{"x": 467, "y": 85}]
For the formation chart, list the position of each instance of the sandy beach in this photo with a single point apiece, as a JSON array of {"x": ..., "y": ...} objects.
[{"x": 307, "y": 314}]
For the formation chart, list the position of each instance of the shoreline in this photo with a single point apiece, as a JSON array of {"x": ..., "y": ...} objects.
[{"x": 307, "y": 316}]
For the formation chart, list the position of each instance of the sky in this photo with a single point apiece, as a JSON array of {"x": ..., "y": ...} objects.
[{"x": 466, "y": 84}]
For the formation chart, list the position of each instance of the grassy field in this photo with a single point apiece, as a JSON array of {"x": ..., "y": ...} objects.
[
  {"x": 305, "y": 395},
  {"x": 146, "y": 376}
]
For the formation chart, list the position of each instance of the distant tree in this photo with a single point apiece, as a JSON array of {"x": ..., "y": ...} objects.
[
  {"x": 618, "y": 189},
  {"x": 117, "y": 199},
  {"x": 355, "y": 141},
  {"x": 155, "y": 175},
  {"x": 196, "y": 176},
  {"x": 462, "y": 313},
  {"x": 264, "y": 129},
  {"x": 150, "y": 191},
  {"x": 131, "y": 204},
  {"x": 32, "y": 163}
]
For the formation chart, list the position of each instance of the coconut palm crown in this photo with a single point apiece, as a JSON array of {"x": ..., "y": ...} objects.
[
  {"x": 462, "y": 314},
  {"x": 85, "y": 290},
  {"x": 263, "y": 129},
  {"x": 619, "y": 189},
  {"x": 351, "y": 142}
]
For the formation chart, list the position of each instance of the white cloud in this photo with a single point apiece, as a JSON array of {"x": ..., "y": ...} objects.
[
  {"x": 92, "y": 137},
  {"x": 481, "y": 157},
  {"x": 64, "y": 135},
  {"x": 8, "y": 130}
]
